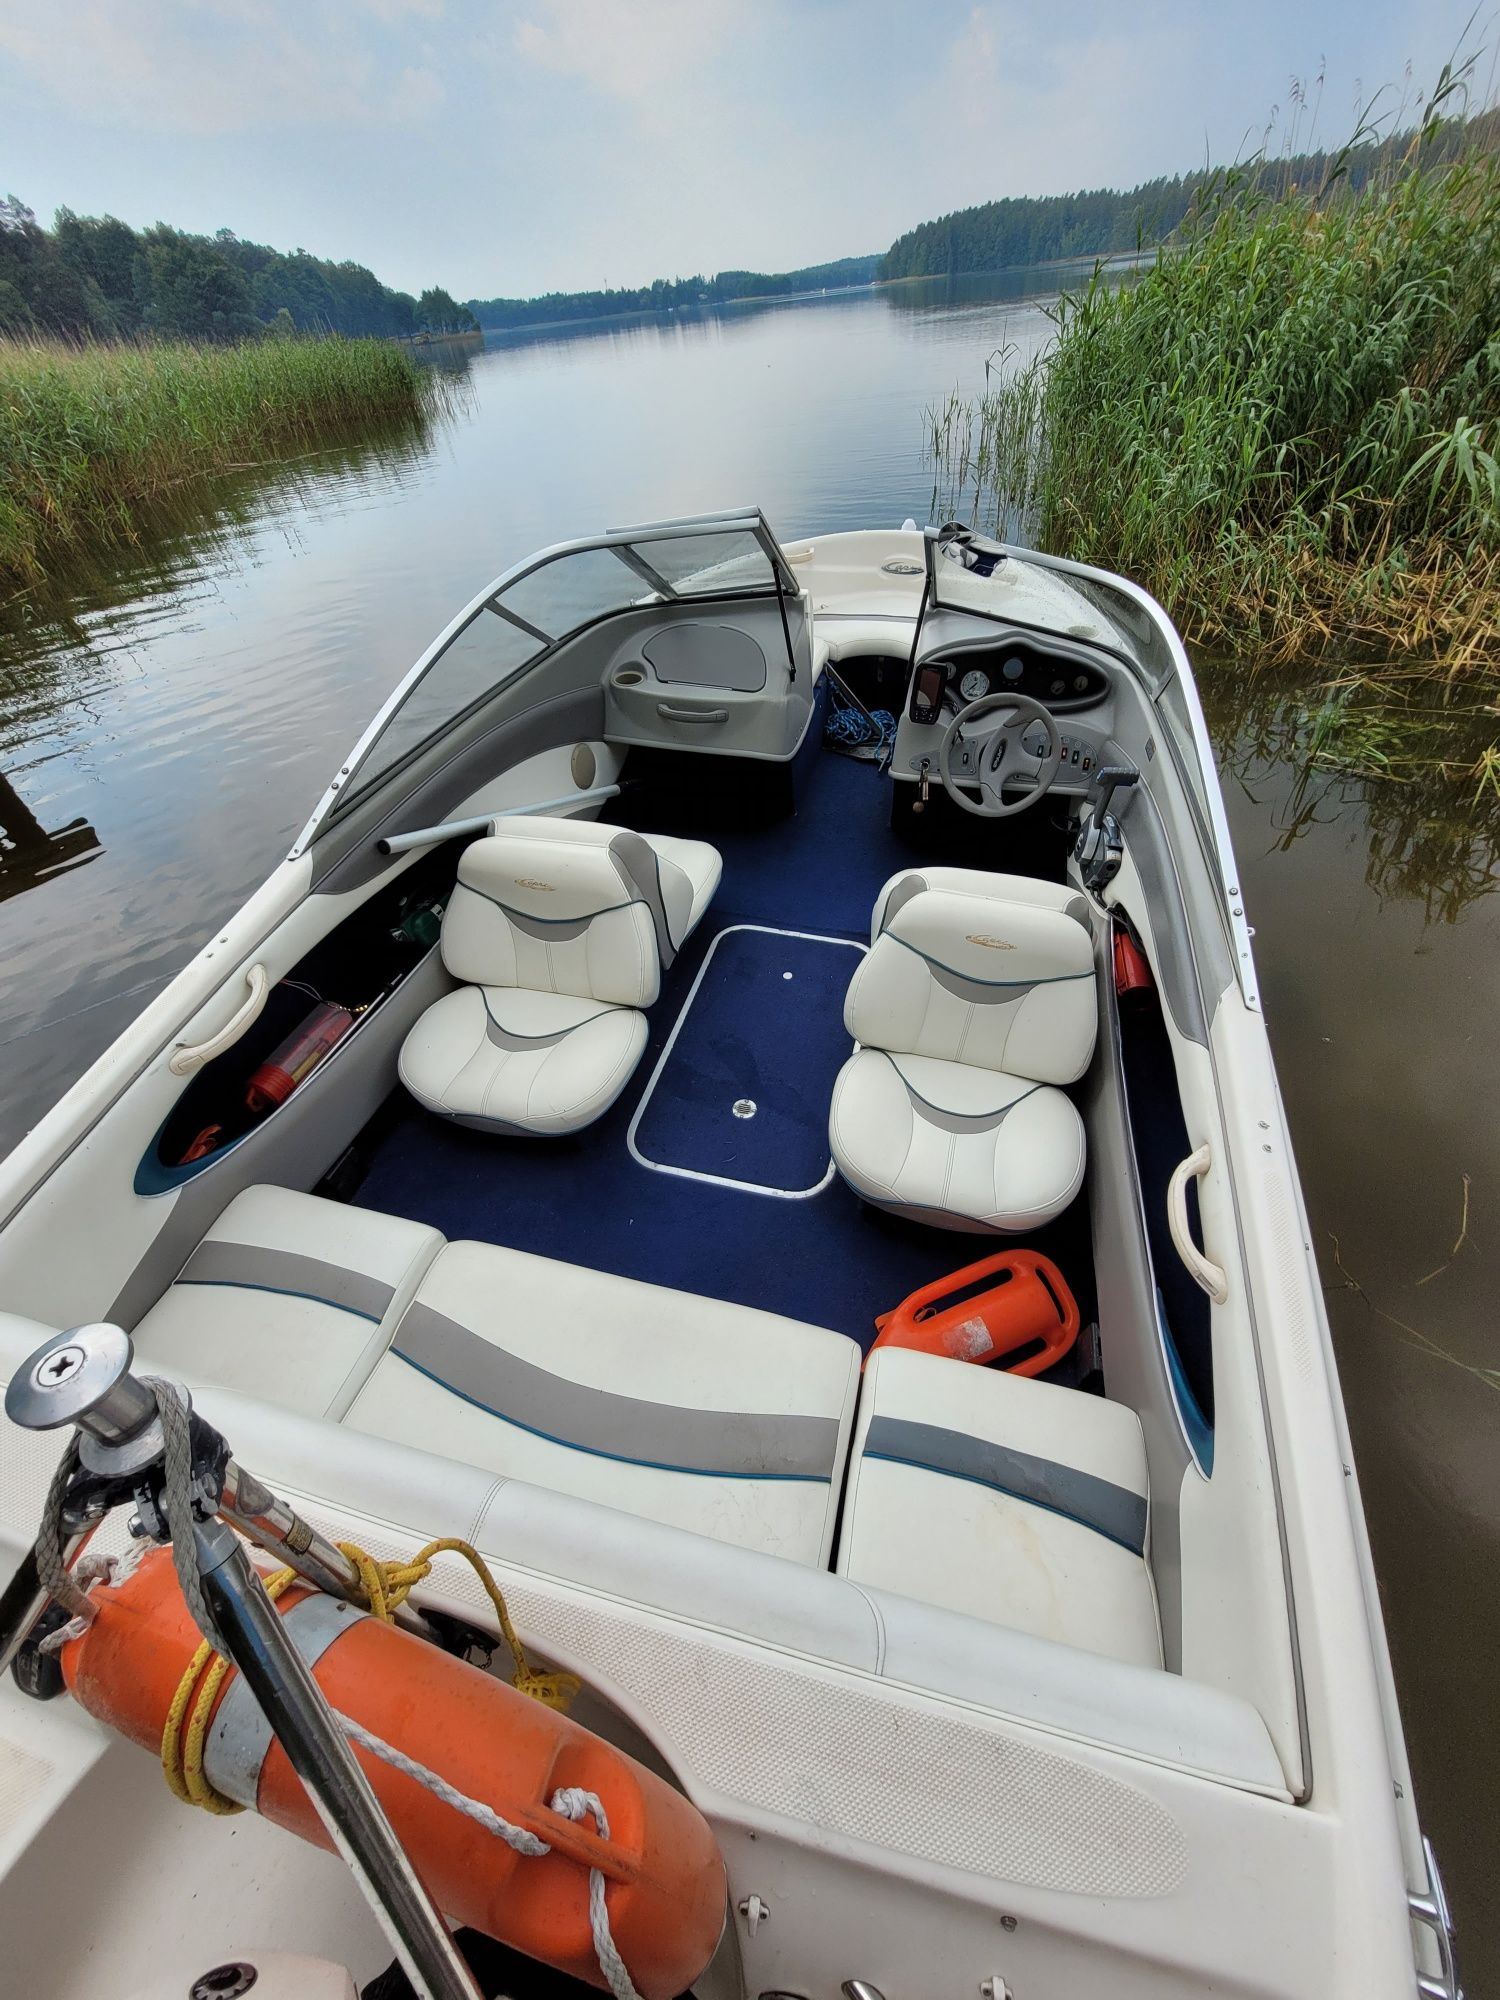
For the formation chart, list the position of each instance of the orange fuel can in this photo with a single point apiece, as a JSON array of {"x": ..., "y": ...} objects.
[{"x": 1003, "y": 1305}]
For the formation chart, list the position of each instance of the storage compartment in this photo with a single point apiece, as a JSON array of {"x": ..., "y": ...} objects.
[
  {"x": 1159, "y": 1139},
  {"x": 309, "y": 1018},
  {"x": 716, "y": 688}
]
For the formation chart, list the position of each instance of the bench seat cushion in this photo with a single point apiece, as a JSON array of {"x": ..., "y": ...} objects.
[
  {"x": 685, "y": 1410},
  {"x": 289, "y": 1298},
  {"x": 1009, "y": 1499}
]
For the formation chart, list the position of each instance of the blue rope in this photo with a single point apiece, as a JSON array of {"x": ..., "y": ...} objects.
[{"x": 847, "y": 727}]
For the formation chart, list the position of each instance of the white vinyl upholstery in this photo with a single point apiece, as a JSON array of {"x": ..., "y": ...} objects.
[
  {"x": 1059, "y": 896},
  {"x": 1009, "y": 1499},
  {"x": 686, "y": 1410},
  {"x": 558, "y": 930},
  {"x": 975, "y": 1001},
  {"x": 566, "y": 1562},
  {"x": 289, "y": 1298},
  {"x": 508, "y": 1060},
  {"x": 676, "y": 878}
]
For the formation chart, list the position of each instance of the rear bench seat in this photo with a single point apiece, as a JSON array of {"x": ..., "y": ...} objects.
[
  {"x": 684, "y": 1410},
  {"x": 1012, "y": 1500}
]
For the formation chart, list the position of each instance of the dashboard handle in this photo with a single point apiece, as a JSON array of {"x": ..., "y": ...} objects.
[{"x": 668, "y": 713}]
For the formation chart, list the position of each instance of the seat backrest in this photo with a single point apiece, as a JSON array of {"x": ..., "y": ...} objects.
[
  {"x": 666, "y": 889},
  {"x": 979, "y": 979},
  {"x": 553, "y": 913},
  {"x": 909, "y": 882}
]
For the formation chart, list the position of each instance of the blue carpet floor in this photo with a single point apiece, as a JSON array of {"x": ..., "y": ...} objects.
[
  {"x": 743, "y": 1091},
  {"x": 828, "y": 1259}
]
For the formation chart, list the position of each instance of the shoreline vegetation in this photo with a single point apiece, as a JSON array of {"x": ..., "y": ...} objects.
[
  {"x": 1287, "y": 425},
  {"x": 94, "y": 436}
]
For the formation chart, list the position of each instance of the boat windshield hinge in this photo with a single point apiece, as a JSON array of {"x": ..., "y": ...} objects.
[
  {"x": 1432, "y": 1910},
  {"x": 1100, "y": 844}
]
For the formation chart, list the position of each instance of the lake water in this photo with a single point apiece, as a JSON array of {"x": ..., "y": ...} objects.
[{"x": 189, "y": 706}]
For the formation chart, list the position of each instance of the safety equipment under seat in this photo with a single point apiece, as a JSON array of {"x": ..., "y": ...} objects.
[{"x": 1028, "y": 1301}]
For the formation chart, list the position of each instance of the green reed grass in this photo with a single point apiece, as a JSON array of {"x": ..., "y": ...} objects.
[
  {"x": 1288, "y": 428},
  {"x": 92, "y": 437}
]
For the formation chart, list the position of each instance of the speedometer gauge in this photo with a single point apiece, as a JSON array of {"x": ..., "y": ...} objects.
[{"x": 974, "y": 685}]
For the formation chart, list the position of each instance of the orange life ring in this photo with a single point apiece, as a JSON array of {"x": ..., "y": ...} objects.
[{"x": 665, "y": 1884}]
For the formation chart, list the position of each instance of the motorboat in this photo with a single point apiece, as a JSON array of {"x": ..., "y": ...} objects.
[{"x": 747, "y": 1106}]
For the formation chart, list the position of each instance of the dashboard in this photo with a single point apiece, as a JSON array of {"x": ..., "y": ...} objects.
[{"x": 961, "y": 674}]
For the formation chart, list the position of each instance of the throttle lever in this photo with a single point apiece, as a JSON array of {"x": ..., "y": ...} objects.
[
  {"x": 1109, "y": 779},
  {"x": 1100, "y": 846}
]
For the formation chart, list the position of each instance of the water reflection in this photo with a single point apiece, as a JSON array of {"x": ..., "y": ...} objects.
[
  {"x": 1408, "y": 757},
  {"x": 29, "y": 854}
]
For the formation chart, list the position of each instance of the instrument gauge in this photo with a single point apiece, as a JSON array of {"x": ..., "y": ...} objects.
[
  {"x": 1059, "y": 687},
  {"x": 1013, "y": 669},
  {"x": 974, "y": 685}
]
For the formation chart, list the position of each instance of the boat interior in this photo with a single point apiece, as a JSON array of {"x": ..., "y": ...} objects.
[{"x": 715, "y": 943}]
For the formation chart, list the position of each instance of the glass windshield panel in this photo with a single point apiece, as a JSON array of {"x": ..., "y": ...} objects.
[
  {"x": 699, "y": 565},
  {"x": 970, "y": 573},
  {"x": 1138, "y": 633},
  {"x": 481, "y": 657},
  {"x": 1171, "y": 706},
  {"x": 574, "y": 590}
]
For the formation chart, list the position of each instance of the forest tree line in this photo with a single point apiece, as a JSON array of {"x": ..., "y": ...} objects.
[
  {"x": 1025, "y": 230},
  {"x": 665, "y": 294},
  {"x": 94, "y": 277}
]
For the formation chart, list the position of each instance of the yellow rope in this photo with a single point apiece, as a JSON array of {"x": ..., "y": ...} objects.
[{"x": 387, "y": 1585}]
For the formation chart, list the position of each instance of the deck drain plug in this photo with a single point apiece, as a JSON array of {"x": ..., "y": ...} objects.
[{"x": 744, "y": 1107}]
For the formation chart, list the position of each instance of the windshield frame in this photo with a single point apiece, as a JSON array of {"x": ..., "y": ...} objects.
[{"x": 346, "y": 789}]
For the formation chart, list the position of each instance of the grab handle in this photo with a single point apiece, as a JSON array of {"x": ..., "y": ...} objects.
[
  {"x": 1208, "y": 1274},
  {"x": 188, "y": 1056},
  {"x": 670, "y": 714}
]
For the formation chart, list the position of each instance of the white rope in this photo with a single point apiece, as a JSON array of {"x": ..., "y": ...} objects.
[
  {"x": 86, "y": 1572},
  {"x": 474, "y": 1809},
  {"x": 572, "y": 1803},
  {"x": 569, "y": 1802}
]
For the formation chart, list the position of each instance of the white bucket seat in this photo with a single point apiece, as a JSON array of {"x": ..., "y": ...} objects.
[
  {"x": 976, "y": 1000},
  {"x": 559, "y": 930}
]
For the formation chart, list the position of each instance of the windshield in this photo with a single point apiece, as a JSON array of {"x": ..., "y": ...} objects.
[
  {"x": 966, "y": 572},
  {"x": 540, "y": 604}
]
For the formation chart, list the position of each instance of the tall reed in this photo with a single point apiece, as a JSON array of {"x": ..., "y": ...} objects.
[
  {"x": 92, "y": 436},
  {"x": 1288, "y": 428}
]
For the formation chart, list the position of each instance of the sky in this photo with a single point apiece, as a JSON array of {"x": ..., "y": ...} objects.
[{"x": 510, "y": 147}]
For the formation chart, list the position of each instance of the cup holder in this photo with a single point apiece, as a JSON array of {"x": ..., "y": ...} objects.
[{"x": 629, "y": 677}]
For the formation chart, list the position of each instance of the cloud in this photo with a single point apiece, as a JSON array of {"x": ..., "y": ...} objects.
[
  {"x": 210, "y": 68},
  {"x": 627, "y": 50}
]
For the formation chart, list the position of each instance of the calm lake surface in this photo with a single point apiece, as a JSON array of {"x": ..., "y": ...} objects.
[{"x": 191, "y": 704}]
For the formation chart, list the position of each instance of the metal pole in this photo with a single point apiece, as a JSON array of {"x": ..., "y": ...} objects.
[
  {"x": 429, "y": 836},
  {"x": 294, "y": 1705}
]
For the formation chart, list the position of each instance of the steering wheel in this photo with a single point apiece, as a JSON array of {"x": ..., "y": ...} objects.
[{"x": 991, "y": 803}]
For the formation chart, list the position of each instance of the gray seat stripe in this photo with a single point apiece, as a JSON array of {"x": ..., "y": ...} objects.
[
  {"x": 959, "y": 1122},
  {"x": 732, "y": 1444},
  {"x": 964, "y": 986},
  {"x": 1110, "y": 1510},
  {"x": 260, "y": 1268},
  {"x": 507, "y": 1038}
]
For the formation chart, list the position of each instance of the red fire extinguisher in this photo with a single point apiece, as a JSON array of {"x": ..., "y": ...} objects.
[{"x": 297, "y": 1057}]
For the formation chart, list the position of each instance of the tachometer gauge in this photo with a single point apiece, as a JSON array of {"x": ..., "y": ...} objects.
[{"x": 974, "y": 685}]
